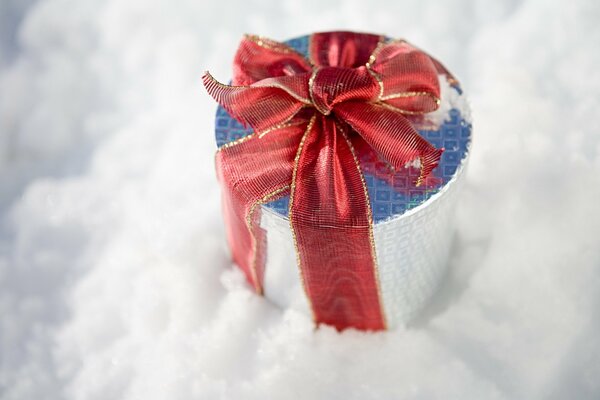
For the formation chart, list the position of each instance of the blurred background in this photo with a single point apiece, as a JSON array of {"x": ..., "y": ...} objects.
[{"x": 115, "y": 282}]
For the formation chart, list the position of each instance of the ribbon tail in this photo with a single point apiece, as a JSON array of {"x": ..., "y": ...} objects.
[
  {"x": 261, "y": 105},
  {"x": 254, "y": 171},
  {"x": 391, "y": 135},
  {"x": 331, "y": 221}
]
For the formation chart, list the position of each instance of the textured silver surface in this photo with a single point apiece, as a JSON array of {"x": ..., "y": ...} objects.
[{"x": 412, "y": 253}]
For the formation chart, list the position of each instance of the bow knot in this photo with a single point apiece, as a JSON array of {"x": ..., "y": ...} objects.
[{"x": 329, "y": 86}]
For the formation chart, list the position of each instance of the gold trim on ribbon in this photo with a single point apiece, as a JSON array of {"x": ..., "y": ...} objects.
[
  {"x": 376, "y": 76},
  {"x": 236, "y": 142},
  {"x": 285, "y": 124},
  {"x": 419, "y": 181},
  {"x": 271, "y": 44},
  {"x": 285, "y": 89},
  {"x": 311, "y": 84},
  {"x": 265, "y": 199},
  {"x": 371, "y": 60},
  {"x": 261, "y": 134},
  {"x": 380, "y": 45},
  {"x": 370, "y": 219},
  {"x": 212, "y": 80},
  {"x": 401, "y": 111},
  {"x": 381, "y": 98},
  {"x": 309, "y": 56},
  {"x": 291, "y": 216}
]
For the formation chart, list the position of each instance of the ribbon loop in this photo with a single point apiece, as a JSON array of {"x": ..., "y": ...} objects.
[
  {"x": 259, "y": 58},
  {"x": 383, "y": 129}
]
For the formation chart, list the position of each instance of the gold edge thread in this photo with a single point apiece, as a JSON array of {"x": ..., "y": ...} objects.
[
  {"x": 291, "y": 216},
  {"x": 371, "y": 236},
  {"x": 311, "y": 84},
  {"x": 371, "y": 60},
  {"x": 270, "y": 44},
  {"x": 261, "y": 134},
  {"x": 379, "y": 82},
  {"x": 381, "y": 97},
  {"x": 257, "y": 285},
  {"x": 279, "y": 86},
  {"x": 376, "y": 51},
  {"x": 410, "y": 94},
  {"x": 284, "y": 124},
  {"x": 236, "y": 142},
  {"x": 399, "y": 110},
  {"x": 420, "y": 178},
  {"x": 421, "y": 169},
  {"x": 278, "y": 46},
  {"x": 212, "y": 80}
]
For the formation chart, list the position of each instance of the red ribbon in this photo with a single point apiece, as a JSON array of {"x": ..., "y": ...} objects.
[{"x": 308, "y": 115}]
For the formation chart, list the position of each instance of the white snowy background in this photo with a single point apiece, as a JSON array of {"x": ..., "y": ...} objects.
[{"x": 114, "y": 277}]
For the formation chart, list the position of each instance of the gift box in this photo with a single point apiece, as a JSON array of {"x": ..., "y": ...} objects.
[{"x": 341, "y": 156}]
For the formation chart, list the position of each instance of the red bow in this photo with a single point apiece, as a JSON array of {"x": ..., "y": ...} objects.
[{"x": 307, "y": 116}]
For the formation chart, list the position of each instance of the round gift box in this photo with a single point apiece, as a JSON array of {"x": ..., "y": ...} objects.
[{"x": 413, "y": 226}]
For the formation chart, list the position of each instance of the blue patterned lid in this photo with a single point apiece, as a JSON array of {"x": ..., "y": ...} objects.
[{"x": 391, "y": 194}]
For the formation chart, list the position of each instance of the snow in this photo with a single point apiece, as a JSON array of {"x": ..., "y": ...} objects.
[{"x": 114, "y": 277}]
